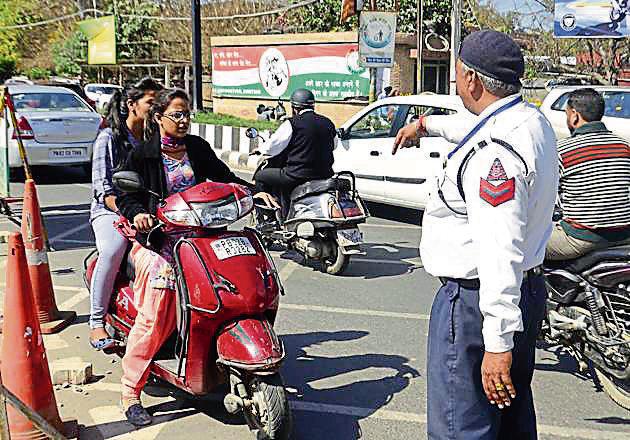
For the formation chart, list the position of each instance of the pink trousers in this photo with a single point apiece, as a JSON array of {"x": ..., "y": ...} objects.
[{"x": 155, "y": 299}]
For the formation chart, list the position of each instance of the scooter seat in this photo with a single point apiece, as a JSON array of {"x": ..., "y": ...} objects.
[
  {"x": 320, "y": 186},
  {"x": 589, "y": 260}
]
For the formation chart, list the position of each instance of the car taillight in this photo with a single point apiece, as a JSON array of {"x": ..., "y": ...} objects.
[
  {"x": 26, "y": 132},
  {"x": 103, "y": 124}
]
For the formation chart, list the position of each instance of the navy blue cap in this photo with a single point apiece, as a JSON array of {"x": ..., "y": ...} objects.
[{"x": 494, "y": 54}]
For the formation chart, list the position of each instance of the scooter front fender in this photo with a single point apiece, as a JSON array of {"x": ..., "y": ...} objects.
[{"x": 250, "y": 344}]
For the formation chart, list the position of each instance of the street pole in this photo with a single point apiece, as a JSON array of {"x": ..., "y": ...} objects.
[
  {"x": 455, "y": 41},
  {"x": 373, "y": 93},
  {"x": 419, "y": 47},
  {"x": 196, "y": 56}
]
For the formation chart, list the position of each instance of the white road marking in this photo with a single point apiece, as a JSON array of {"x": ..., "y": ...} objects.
[
  {"x": 54, "y": 342},
  {"x": 56, "y": 212},
  {"x": 114, "y": 424},
  {"x": 66, "y": 240},
  {"x": 84, "y": 185},
  {"x": 69, "y": 232},
  {"x": 287, "y": 270},
  {"x": 405, "y": 261},
  {"x": 70, "y": 303},
  {"x": 362, "y": 312},
  {"x": 106, "y": 415}
]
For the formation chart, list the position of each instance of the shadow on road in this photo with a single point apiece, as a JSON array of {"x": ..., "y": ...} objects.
[
  {"x": 365, "y": 397},
  {"x": 563, "y": 361},
  {"x": 44, "y": 175}
]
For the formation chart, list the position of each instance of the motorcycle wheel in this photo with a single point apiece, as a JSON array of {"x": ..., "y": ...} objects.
[
  {"x": 617, "y": 390},
  {"x": 336, "y": 263},
  {"x": 270, "y": 410}
]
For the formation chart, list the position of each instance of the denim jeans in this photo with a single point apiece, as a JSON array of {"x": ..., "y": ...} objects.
[
  {"x": 457, "y": 405},
  {"x": 111, "y": 251}
]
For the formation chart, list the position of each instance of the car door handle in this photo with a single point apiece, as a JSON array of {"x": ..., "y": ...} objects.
[
  {"x": 434, "y": 154},
  {"x": 375, "y": 153}
]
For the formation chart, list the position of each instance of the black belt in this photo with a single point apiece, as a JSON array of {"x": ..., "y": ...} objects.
[{"x": 473, "y": 283}]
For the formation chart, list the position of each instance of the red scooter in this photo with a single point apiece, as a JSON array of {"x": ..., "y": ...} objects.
[{"x": 228, "y": 292}]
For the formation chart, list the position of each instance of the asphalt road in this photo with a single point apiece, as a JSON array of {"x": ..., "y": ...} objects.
[{"x": 356, "y": 344}]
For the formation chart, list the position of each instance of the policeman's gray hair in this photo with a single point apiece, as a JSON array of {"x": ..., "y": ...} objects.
[{"x": 494, "y": 86}]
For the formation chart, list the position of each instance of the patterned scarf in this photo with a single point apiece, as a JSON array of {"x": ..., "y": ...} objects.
[{"x": 173, "y": 145}]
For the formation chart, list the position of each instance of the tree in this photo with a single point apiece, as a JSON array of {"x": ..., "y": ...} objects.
[
  {"x": 69, "y": 54},
  {"x": 136, "y": 38}
]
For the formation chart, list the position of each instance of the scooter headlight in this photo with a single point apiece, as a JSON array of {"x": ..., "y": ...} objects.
[
  {"x": 184, "y": 217},
  {"x": 223, "y": 212}
]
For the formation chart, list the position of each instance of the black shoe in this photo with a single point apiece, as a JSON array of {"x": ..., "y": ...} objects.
[{"x": 137, "y": 415}]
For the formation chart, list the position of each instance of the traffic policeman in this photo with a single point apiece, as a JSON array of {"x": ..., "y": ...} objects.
[{"x": 484, "y": 232}]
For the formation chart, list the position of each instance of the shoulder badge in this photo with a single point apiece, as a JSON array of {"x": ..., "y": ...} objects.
[{"x": 497, "y": 188}]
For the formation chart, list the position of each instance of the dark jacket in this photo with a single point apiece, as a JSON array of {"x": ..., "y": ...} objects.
[
  {"x": 310, "y": 152},
  {"x": 147, "y": 161}
]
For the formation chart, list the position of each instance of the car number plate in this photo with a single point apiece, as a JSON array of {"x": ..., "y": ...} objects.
[
  {"x": 349, "y": 237},
  {"x": 232, "y": 247},
  {"x": 66, "y": 153}
]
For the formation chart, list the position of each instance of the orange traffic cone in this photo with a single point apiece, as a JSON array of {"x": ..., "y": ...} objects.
[
  {"x": 24, "y": 364},
  {"x": 50, "y": 318}
]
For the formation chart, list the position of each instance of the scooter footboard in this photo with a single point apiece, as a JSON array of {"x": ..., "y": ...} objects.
[{"x": 250, "y": 344}]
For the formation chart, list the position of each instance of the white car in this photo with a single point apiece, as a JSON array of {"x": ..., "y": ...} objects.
[
  {"x": 616, "y": 114},
  {"x": 365, "y": 148},
  {"x": 101, "y": 93},
  {"x": 57, "y": 126}
]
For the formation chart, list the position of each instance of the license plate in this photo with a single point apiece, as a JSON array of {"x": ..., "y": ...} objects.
[
  {"x": 349, "y": 237},
  {"x": 232, "y": 247},
  {"x": 66, "y": 153}
]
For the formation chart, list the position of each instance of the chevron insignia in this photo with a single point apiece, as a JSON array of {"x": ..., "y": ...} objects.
[{"x": 497, "y": 188}]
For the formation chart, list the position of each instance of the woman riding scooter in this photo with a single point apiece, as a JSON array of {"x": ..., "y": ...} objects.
[
  {"x": 172, "y": 161},
  {"x": 126, "y": 116}
]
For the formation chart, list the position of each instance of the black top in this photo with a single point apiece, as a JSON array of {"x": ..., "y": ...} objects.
[
  {"x": 146, "y": 160},
  {"x": 310, "y": 152}
]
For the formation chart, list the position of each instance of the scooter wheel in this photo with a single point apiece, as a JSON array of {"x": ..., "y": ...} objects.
[
  {"x": 337, "y": 263},
  {"x": 270, "y": 410}
]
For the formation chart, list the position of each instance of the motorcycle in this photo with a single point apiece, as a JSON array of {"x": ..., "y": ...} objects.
[
  {"x": 588, "y": 312},
  {"x": 322, "y": 218},
  {"x": 227, "y": 295}
]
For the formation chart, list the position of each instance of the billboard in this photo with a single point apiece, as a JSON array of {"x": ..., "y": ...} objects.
[
  {"x": 331, "y": 71},
  {"x": 101, "y": 35},
  {"x": 592, "y": 18},
  {"x": 377, "y": 36}
]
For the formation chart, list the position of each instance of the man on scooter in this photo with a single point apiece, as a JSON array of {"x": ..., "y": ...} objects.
[{"x": 302, "y": 148}]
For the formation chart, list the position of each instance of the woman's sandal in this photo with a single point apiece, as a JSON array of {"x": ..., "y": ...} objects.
[
  {"x": 104, "y": 344},
  {"x": 138, "y": 416}
]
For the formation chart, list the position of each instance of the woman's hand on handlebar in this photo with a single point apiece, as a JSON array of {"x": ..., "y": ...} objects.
[
  {"x": 144, "y": 222},
  {"x": 269, "y": 200}
]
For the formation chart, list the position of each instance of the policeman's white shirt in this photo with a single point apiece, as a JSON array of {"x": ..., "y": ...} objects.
[
  {"x": 281, "y": 138},
  {"x": 496, "y": 244}
]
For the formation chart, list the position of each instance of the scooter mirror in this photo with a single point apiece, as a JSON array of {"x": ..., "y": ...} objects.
[
  {"x": 251, "y": 133},
  {"x": 128, "y": 181}
]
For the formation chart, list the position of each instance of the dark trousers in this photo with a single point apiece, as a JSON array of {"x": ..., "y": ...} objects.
[
  {"x": 277, "y": 182},
  {"x": 457, "y": 405}
]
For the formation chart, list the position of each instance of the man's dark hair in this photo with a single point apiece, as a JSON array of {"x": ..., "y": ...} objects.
[
  {"x": 588, "y": 103},
  {"x": 388, "y": 90}
]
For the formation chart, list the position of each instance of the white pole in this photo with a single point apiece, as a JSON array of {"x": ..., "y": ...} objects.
[{"x": 455, "y": 41}]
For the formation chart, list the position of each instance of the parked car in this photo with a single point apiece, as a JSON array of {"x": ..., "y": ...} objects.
[
  {"x": 616, "y": 115},
  {"x": 75, "y": 87},
  {"x": 57, "y": 126},
  {"x": 365, "y": 145},
  {"x": 101, "y": 93}
]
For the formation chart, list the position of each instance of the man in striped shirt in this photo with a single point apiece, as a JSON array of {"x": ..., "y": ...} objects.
[{"x": 594, "y": 182}]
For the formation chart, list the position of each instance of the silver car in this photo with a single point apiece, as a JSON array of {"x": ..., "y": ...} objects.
[{"x": 57, "y": 126}]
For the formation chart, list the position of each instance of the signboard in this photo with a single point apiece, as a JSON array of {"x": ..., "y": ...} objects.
[
  {"x": 101, "y": 35},
  {"x": 331, "y": 71},
  {"x": 592, "y": 18},
  {"x": 377, "y": 35},
  {"x": 4, "y": 146}
]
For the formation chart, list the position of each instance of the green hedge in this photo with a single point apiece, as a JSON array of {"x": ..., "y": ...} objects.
[
  {"x": 233, "y": 121},
  {"x": 7, "y": 68}
]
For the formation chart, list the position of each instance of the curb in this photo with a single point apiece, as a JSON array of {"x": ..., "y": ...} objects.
[{"x": 239, "y": 161}]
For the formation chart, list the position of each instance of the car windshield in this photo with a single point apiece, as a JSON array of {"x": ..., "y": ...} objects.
[
  {"x": 617, "y": 103},
  {"x": 64, "y": 102}
]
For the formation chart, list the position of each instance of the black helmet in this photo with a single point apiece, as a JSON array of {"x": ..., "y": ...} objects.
[{"x": 302, "y": 98}]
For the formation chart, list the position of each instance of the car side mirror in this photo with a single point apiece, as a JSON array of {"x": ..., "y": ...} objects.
[
  {"x": 342, "y": 133},
  {"x": 128, "y": 181},
  {"x": 251, "y": 133}
]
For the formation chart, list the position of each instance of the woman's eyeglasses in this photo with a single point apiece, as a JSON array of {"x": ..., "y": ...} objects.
[{"x": 178, "y": 116}]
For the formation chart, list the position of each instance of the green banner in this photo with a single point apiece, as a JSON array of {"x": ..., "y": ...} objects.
[{"x": 101, "y": 35}]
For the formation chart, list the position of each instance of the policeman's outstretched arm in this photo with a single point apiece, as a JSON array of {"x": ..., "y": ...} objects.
[{"x": 496, "y": 201}]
